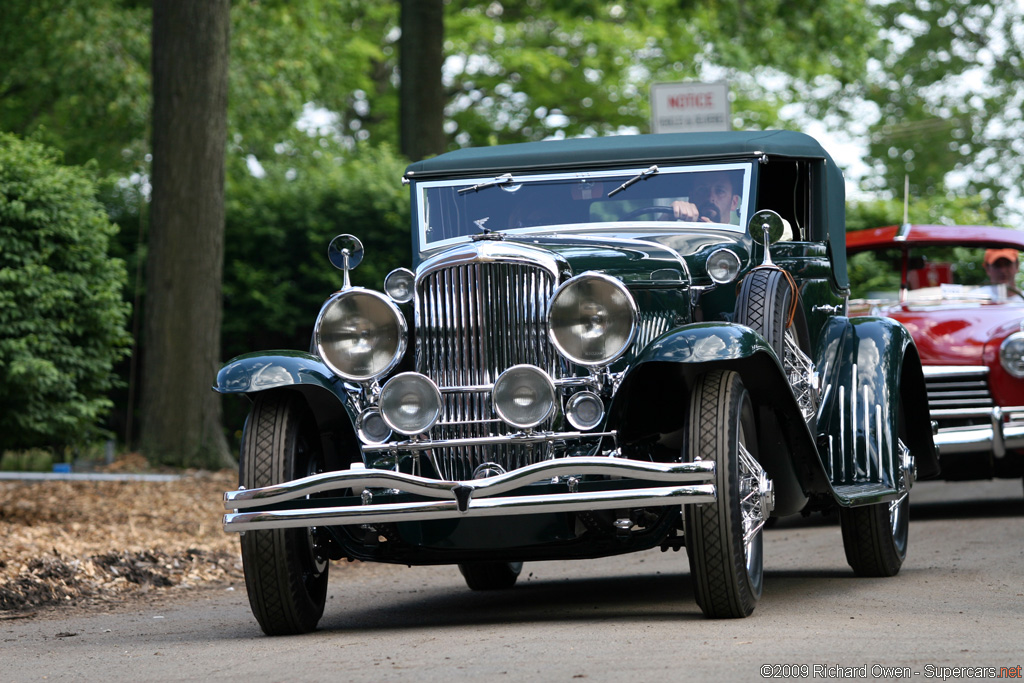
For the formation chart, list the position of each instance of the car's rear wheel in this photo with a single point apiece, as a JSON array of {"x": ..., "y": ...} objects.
[
  {"x": 490, "y": 576},
  {"x": 723, "y": 539},
  {"x": 285, "y": 573},
  {"x": 875, "y": 536}
]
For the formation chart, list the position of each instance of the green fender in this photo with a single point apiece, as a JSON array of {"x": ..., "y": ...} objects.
[
  {"x": 654, "y": 394},
  {"x": 332, "y": 408},
  {"x": 872, "y": 384}
]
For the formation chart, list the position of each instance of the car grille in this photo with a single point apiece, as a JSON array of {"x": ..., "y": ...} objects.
[
  {"x": 474, "y": 320},
  {"x": 959, "y": 389}
]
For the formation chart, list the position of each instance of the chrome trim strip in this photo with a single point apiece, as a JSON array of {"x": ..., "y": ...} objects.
[
  {"x": 678, "y": 473},
  {"x": 980, "y": 439},
  {"x": 518, "y": 439},
  {"x": 955, "y": 413},
  {"x": 449, "y": 509},
  {"x": 953, "y": 370}
]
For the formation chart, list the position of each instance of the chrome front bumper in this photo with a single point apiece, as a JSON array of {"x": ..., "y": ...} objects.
[
  {"x": 684, "y": 483},
  {"x": 1004, "y": 432}
]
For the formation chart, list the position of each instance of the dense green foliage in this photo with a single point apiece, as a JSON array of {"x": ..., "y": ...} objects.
[
  {"x": 276, "y": 272},
  {"x": 61, "y": 313},
  {"x": 944, "y": 101}
]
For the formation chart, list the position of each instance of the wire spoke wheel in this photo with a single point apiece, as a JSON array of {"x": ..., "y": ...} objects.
[{"x": 724, "y": 542}]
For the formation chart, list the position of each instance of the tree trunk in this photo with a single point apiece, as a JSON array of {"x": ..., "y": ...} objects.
[
  {"x": 421, "y": 94},
  {"x": 180, "y": 414}
]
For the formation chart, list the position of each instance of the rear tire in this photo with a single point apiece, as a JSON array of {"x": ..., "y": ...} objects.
[
  {"x": 490, "y": 576},
  {"x": 723, "y": 539},
  {"x": 875, "y": 536},
  {"x": 285, "y": 574}
]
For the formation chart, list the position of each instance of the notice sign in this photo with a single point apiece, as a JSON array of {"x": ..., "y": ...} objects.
[{"x": 689, "y": 107}]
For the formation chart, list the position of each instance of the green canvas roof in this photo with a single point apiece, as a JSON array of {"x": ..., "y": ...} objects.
[
  {"x": 618, "y": 150},
  {"x": 642, "y": 150}
]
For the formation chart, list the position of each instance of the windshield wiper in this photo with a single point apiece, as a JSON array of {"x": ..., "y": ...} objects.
[
  {"x": 500, "y": 180},
  {"x": 643, "y": 175}
]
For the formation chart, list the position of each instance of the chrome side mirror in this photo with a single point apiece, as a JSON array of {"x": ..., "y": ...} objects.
[
  {"x": 345, "y": 253},
  {"x": 766, "y": 228}
]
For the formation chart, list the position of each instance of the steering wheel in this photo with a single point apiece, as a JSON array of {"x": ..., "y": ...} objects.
[{"x": 636, "y": 213}]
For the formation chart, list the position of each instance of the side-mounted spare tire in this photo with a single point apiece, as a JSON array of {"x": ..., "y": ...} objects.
[{"x": 769, "y": 303}]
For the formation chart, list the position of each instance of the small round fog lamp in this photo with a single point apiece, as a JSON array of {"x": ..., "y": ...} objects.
[
  {"x": 371, "y": 427},
  {"x": 410, "y": 403},
  {"x": 584, "y": 410},
  {"x": 524, "y": 396}
]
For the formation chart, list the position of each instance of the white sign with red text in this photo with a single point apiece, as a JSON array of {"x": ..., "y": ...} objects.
[{"x": 689, "y": 107}]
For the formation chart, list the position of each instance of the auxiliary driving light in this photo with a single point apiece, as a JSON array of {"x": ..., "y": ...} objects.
[
  {"x": 410, "y": 403},
  {"x": 524, "y": 396}
]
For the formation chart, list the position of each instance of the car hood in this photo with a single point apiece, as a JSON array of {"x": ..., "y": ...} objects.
[
  {"x": 957, "y": 335},
  {"x": 643, "y": 257}
]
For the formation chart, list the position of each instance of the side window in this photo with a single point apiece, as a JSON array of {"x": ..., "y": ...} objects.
[{"x": 785, "y": 187}]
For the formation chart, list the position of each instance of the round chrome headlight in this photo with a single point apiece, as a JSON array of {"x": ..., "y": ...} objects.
[
  {"x": 410, "y": 403},
  {"x": 360, "y": 334},
  {"x": 592, "y": 319},
  {"x": 1011, "y": 354},
  {"x": 524, "y": 396},
  {"x": 723, "y": 266},
  {"x": 399, "y": 285}
]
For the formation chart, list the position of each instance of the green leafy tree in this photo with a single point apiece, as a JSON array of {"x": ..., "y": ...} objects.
[
  {"x": 947, "y": 97},
  {"x": 276, "y": 272},
  {"x": 62, "y": 319}
]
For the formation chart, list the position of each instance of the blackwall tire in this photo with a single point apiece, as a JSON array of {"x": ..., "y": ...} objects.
[
  {"x": 285, "y": 577},
  {"x": 766, "y": 304},
  {"x": 723, "y": 539},
  {"x": 875, "y": 536}
]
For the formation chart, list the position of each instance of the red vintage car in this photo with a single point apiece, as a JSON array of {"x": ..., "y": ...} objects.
[{"x": 942, "y": 283}]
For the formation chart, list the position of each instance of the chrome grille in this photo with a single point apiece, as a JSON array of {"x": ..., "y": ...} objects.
[
  {"x": 966, "y": 388},
  {"x": 474, "y": 320}
]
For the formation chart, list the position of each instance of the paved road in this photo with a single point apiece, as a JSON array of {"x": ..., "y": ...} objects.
[{"x": 959, "y": 602}]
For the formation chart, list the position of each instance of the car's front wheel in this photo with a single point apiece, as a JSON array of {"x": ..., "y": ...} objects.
[
  {"x": 285, "y": 573},
  {"x": 723, "y": 539}
]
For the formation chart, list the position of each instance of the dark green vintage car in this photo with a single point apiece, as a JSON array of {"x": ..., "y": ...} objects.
[{"x": 606, "y": 345}]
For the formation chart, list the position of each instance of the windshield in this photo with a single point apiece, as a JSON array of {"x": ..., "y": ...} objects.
[{"x": 658, "y": 196}]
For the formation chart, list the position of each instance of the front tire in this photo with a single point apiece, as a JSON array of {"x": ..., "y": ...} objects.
[
  {"x": 723, "y": 539},
  {"x": 285, "y": 574}
]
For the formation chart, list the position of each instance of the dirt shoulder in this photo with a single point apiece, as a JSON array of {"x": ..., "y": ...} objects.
[{"x": 89, "y": 543}]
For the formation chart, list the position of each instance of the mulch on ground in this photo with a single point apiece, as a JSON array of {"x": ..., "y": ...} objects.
[{"x": 81, "y": 543}]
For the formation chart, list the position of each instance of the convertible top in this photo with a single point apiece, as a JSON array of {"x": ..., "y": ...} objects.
[
  {"x": 622, "y": 150},
  {"x": 626, "y": 151}
]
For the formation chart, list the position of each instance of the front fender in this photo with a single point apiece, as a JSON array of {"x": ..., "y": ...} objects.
[
  {"x": 653, "y": 399},
  {"x": 330, "y": 403},
  {"x": 254, "y": 372}
]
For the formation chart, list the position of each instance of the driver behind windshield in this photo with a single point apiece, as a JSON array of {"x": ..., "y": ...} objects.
[{"x": 714, "y": 199}]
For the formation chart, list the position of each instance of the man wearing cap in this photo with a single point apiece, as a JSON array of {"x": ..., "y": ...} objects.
[{"x": 1001, "y": 266}]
